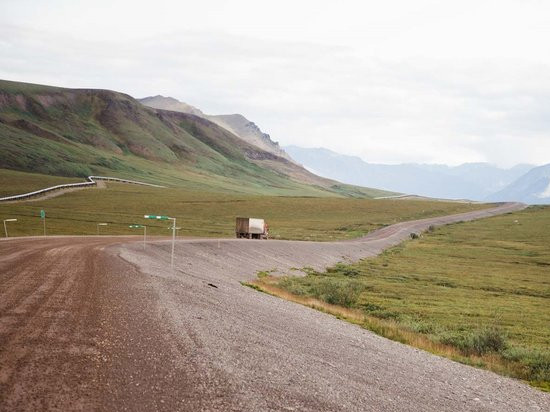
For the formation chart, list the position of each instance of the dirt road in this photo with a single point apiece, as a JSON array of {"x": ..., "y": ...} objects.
[{"x": 98, "y": 323}]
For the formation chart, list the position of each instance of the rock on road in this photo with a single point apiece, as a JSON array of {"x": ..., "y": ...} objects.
[{"x": 99, "y": 323}]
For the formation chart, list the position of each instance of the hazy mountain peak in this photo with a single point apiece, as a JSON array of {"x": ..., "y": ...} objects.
[
  {"x": 169, "y": 103},
  {"x": 235, "y": 123},
  {"x": 532, "y": 187}
]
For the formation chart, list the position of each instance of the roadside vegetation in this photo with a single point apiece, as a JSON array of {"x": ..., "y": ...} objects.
[
  {"x": 212, "y": 214},
  {"x": 476, "y": 292}
]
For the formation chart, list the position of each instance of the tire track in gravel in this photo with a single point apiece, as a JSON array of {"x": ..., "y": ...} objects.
[{"x": 48, "y": 324}]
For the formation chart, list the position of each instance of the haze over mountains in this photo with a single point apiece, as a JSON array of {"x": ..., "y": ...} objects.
[
  {"x": 475, "y": 181},
  {"x": 533, "y": 187}
]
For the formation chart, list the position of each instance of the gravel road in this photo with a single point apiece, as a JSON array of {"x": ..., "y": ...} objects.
[{"x": 99, "y": 323}]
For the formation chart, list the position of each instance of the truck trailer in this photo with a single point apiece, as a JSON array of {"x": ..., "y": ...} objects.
[{"x": 251, "y": 228}]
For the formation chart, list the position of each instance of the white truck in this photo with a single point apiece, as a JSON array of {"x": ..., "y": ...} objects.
[{"x": 251, "y": 228}]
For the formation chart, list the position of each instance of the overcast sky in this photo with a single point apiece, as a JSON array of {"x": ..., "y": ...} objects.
[{"x": 390, "y": 81}]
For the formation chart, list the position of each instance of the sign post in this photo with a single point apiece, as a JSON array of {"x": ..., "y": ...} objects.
[
  {"x": 144, "y": 232},
  {"x": 5, "y": 227},
  {"x": 161, "y": 217},
  {"x": 43, "y": 217},
  {"x": 100, "y": 224},
  {"x": 177, "y": 229}
]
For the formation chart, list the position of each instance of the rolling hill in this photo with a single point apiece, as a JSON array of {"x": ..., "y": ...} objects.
[
  {"x": 78, "y": 132},
  {"x": 473, "y": 181}
]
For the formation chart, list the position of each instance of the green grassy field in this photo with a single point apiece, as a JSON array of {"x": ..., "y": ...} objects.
[
  {"x": 14, "y": 183},
  {"x": 477, "y": 292},
  {"x": 203, "y": 213}
]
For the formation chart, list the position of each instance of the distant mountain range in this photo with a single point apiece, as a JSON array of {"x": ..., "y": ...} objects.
[{"x": 475, "y": 181}]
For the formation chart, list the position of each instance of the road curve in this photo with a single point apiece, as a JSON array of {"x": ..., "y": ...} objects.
[{"x": 99, "y": 323}]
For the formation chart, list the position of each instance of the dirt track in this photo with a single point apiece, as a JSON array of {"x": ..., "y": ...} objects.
[{"x": 97, "y": 323}]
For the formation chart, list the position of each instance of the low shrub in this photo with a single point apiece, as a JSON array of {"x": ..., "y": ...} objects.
[
  {"x": 263, "y": 274},
  {"x": 539, "y": 366},
  {"x": 345, "y": 270},
  {"x": 488, "y": 340},
  {"x": 294, "y": 285},
  {"x": 478, "y": 342},
  {"x": 338, "y": 292},
  {"x": 537, "y": 363}
]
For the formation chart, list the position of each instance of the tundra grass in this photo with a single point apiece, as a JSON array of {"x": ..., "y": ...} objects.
[
  {"x": 14, "y": 183},
  {"x": 211, "y": 214},
  {"x": 476, "y": 292}
]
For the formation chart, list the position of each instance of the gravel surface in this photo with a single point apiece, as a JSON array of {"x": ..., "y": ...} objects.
[{"x": 99, "y": 323}]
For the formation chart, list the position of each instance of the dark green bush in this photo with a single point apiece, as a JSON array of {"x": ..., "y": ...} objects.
[
  {"x": 338, "y": 292},
  {"x": 539, "y": 367},
  {"x": 479, "y": 342},
  {"x": 488, "y": 340}
]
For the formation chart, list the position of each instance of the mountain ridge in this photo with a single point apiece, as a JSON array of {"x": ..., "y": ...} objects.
[
  {"x": 81, "y": 132},
  {"x": 235, "y": 123}
]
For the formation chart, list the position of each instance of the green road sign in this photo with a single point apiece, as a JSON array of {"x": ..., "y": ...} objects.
[
  {"x": 156, "y": 217},
  {"x": 42, "y": 214}
]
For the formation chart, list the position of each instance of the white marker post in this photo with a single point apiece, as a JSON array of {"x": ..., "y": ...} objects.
[
  {"x": 100, "y": 224},
  {"x": 5, "y": 227},
  {"x": 144, "y": 232},
  {"x": 173, "y": 219}
]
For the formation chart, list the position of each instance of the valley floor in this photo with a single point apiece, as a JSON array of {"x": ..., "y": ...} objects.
[
  {"x": 101, "y": 323},
  {"x": 212, "y": 214}
]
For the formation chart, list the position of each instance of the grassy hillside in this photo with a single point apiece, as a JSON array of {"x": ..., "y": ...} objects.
[
  {"x": 78, "y": 132},
  {"x": 203, "y": 213},
  {"x": 235, "y": 123},
  {"x": 477, "y": 292},
  {"x": 14, "y": 183}
]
